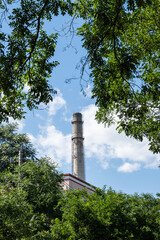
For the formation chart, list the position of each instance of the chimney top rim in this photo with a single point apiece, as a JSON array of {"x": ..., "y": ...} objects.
[{"x": 77, "y": 113}]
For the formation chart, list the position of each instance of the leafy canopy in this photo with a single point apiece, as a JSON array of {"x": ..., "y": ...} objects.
[
  {"x": 26, "y": 54},
  {"x": 29, "y": 192},
  {"x": 11, "y": 143},
  {"x": 122, "y": 42},
  {"x": 29, "y": 197},
  {"x": 107, "y": 215},
  {"x": 33, "y": 205}
]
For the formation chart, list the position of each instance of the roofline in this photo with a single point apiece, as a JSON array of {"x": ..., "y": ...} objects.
[{"x": 80, "y": 180}]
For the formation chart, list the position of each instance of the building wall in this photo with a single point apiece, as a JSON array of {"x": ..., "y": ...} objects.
[{"x": 71, "y": 182}]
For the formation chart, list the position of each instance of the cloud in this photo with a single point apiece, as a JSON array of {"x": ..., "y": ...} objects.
[
  {"x": 53, "y": 143},
  {"x": 128, "y": 167},
  {"x": 57, "y": 103},
  {"x": 53, "y": 106},
  {"x": 21, "y": 123},
  {"x": 50, "y": 141},
  {"x": 107, "y": 145},
  {"x": 101, "y": 144}
]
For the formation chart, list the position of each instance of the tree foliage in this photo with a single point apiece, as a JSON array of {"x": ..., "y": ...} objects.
[
  {"x": 26, "y": 55},
  {"x": 109, "y": 215},
  {"x": 29, "y": 198},
  {"x": 17, "y": 219},
  {"x": 11, "y": 143},
  {"x": 33, "y": 205},
  {"x": 29, "y": 192},
  {"x": 122, "y": 41}
]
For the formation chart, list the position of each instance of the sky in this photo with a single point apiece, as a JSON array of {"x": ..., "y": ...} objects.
[{"x": 111, "y": 159}]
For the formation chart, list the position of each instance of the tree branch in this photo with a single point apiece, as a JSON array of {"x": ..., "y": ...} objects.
[{"x": 37, "y": 33}]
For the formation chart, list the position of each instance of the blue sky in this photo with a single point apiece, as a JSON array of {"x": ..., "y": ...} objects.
[{"x": 111, "y": 159}]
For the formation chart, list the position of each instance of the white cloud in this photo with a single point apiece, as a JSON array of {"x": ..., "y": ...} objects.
[
  {"x": 53, "y": 106},
  {"x": 128, "y": 167},
  {"x": 106, "y": 144},
  {"x": 52, "y": 143},
  {"x": 102, "y": 144},
  {"x": 57, "y": 103},
  {"x": 21, "y": 123}
]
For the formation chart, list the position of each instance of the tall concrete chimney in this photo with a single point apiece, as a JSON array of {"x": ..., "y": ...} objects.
[{"x": 77, "y": 147}]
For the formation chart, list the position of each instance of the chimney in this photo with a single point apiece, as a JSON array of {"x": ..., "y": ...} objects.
[{"x": 77, "y": 147}]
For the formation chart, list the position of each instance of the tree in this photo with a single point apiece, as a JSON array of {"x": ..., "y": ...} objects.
[
  {"x": 29, "y": 198},
  {"x": 26, "y": 55},
  {"x": 11, "y": 143},
  {"x": 17, "y": 219},
  {"x": 122, "y": 42},
  {"x": 30, "y": 192},
  {"x": 107, "y": 215}
]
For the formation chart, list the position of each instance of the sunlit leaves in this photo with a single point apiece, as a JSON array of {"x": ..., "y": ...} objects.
[
  {"x": 26, "y": 57},
  {"x": 122, "y": 41},
  {"x": 107, "y": 215},
  {"x": 29, "y": 198}
]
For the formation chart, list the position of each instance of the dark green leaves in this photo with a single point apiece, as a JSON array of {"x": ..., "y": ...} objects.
[
  {"x": 29, "y": 198},
  {"x": 26, "y": 57},
  {"x": 107, "y": 215},
  {"x": 10, "y": 144},
  {"x": 122, "y": 41}
]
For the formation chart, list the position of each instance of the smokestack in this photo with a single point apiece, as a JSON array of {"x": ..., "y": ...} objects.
[{"x": 77, "y": 147}]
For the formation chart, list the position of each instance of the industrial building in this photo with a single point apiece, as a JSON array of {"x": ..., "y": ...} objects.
[{"x": 76, "y": 180}]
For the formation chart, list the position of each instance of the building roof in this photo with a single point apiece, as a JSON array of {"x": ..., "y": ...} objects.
[{"x": 73, "y": 182}]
